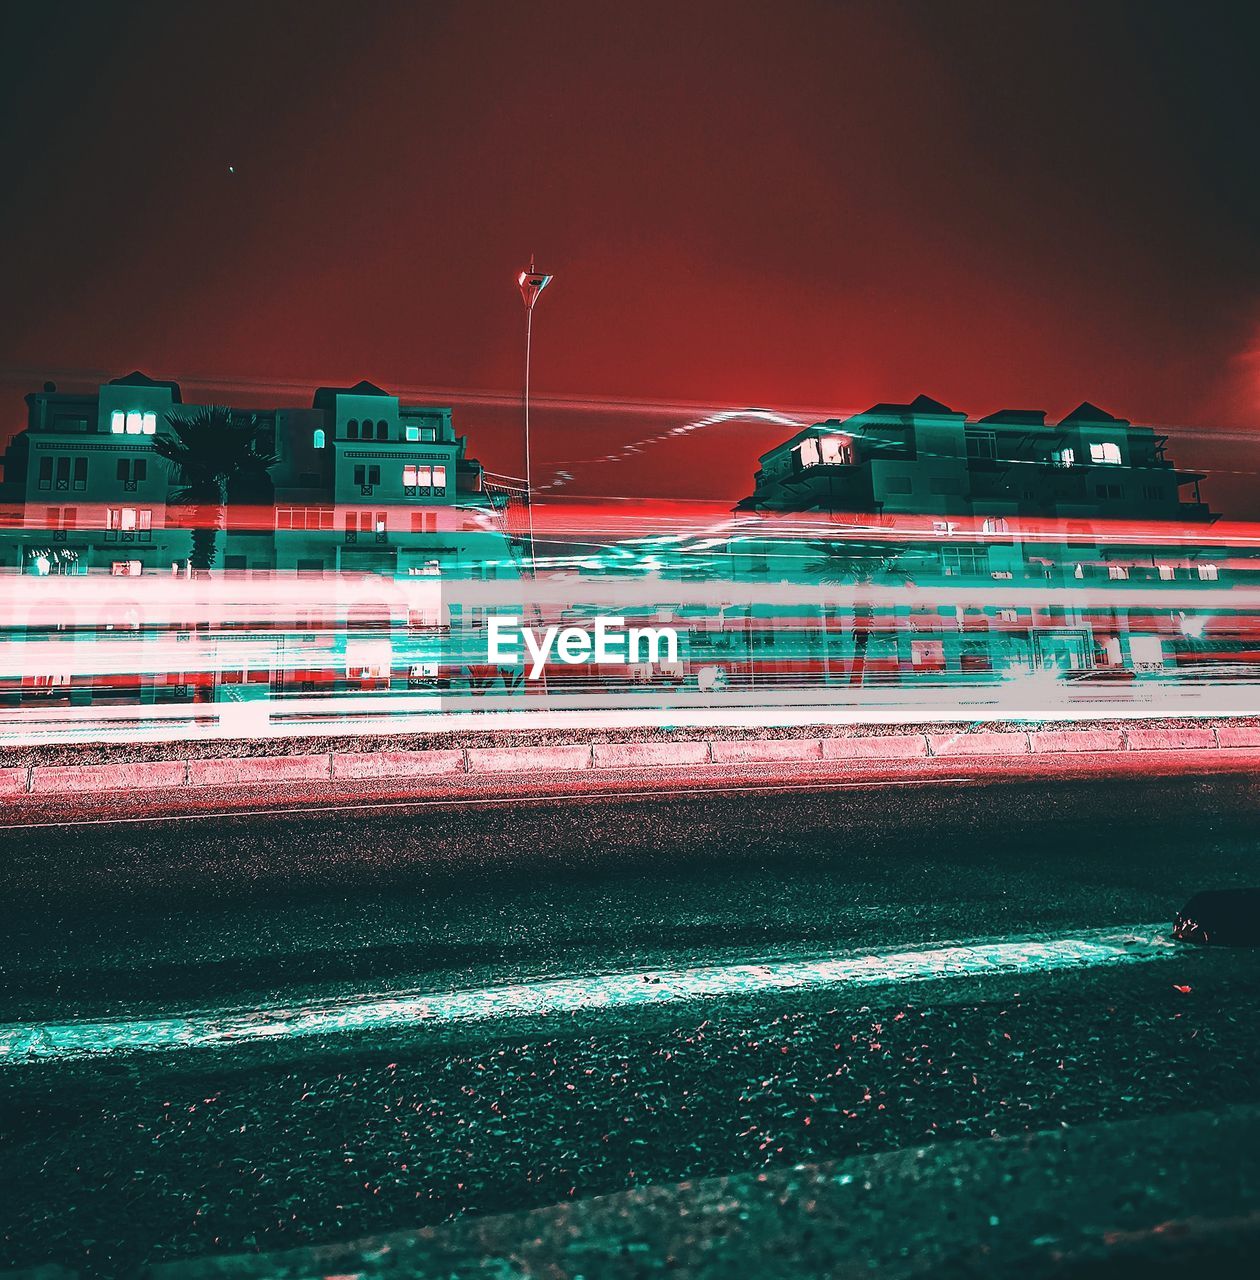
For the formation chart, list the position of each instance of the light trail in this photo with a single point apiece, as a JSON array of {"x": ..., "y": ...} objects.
[{"x": 28, "y": 1043}]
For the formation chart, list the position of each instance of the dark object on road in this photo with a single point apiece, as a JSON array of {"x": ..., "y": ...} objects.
[{"x": 1224, "y": 917}]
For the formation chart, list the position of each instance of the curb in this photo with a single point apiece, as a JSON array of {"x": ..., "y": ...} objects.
[{"x": 333, "y": 766}]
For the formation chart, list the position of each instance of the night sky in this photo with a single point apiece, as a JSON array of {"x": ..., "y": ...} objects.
[{"x": 806, "y": 206}]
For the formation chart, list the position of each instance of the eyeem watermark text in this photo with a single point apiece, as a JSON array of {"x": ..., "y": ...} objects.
[{"x": 608, "y": 641}]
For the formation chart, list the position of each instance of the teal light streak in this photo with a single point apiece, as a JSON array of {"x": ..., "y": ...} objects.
[{"x": 41, "y": 1042}]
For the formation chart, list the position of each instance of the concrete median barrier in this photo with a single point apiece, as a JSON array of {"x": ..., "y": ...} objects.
[
  {"x": 397, "y": 764},
  {"x": 151, "y": 775},
  {"x": 15, "y": 782},
  {"x": 528, "y": 759},
  {"x": 1243, "y": 735},
  {"x": 978, "y": 744},
  {"x": 1060, "y": 740},
  {"x": 1170, "y": 739},
  {"x": 644, "y": 755},
  {"x": 752, "y": 750},
  {"x": 258, "y": 770},
  {"x": 889, "y": 746}
]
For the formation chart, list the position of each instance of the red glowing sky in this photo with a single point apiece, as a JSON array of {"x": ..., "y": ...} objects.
[{"x": 810, "y": 205}]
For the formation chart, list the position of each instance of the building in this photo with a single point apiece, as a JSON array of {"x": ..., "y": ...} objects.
[
  {"x": 924, "y": 457},
  {"x": 362, "y": 483}
]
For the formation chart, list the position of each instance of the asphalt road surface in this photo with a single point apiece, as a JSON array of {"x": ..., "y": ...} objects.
[{"x": 126, "y": 1157}]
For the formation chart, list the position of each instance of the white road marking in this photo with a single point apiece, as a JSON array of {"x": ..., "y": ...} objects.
[
  {"x": 25, "y": 1043},
  {"x": 456, "y": 802}
]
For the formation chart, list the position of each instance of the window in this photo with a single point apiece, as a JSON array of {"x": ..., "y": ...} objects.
[
  {"x": 125, "y": 569},
  {"x": 1109, "y": 491},
  {"x": 808, "y": 453},
  {"x": 1062, "y": 457},
  {"x": 124, "y": 469},
  {"x": 1167, "y": 573},
  {"x": 382, "y": 430},
  {"x": 423, "y": 522},
  {"x": 439, "y": 477},
  {"x": 369, "y": 430},
  {"x": 1117, "y": 572},
  {"x": 133, "y": 423},
  {"x": 317, "y": 439},
  {"x": 360, "y": 475},
  {"x": 1153, "y": 492},
  {"x": 1208, "y": 572},
  {"x": 995, "y": 524},
  {"x": 45, "y": 473},
  {"x": 836, "y": 451},
  {"x": 411, "y": 474},
  {"x": 381, "y": 523},
  {"x": 1107, "y": 453},
  {"x": 352, "y": 429},
  {"x": 128, "y": 518},
  {"x": 427, "y": 434},
  {"x": 63, "y": 473},
  {"x": 897, "y": 484},
  {"x": 981, "y": 444},
  {"x": 964, "y": 561},
  {"x": 413, "y": 434},
  {"x": 374, "y": 475},
  {"x": 304, "y": 518}
]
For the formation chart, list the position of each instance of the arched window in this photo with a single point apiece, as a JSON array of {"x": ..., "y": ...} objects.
[
  {"x": 352, "y": 429},
  {"x": 382, "y": 430},
  {"x": 318, "y": 439},
  {"x": 368, "y": 429}
]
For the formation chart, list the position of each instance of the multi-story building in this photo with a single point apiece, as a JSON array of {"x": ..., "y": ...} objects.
[
  {"x": 362, "y": 482},
  {"x": 924, "y": 457}
]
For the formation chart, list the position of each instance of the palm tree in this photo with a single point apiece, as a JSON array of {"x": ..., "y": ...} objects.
[
  {"x": 212, "y": 450},
  {"x": 862, "y": 567}
]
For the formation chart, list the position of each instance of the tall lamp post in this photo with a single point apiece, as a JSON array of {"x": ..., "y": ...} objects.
[{"x": 531, "y": 282}]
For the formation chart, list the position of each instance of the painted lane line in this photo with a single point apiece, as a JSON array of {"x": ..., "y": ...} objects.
[
  {"x": 22, "y": 1043},
  {"x": 457, "y": 802}
]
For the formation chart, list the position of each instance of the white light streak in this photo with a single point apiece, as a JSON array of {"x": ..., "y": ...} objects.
[{"x": 24, "y": 1043}]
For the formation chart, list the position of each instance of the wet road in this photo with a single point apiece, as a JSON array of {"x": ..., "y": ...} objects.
[{"x": 151, "y": 1156}]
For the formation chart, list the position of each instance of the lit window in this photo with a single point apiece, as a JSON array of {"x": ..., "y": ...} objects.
[
  {"x": 149, "y": 423},
  {"x": 1167, "y": 573},
  {"x": 413, "y": 434},
  {"x": 1208, "y": 572},
  {"x": 128, "y": 518},
  {"x": 808, "y": 453},
  {"x": 1107, "y": 452},
  {"x": 409, "y": 475},
  {"x": 1063, "y": 457},
  {"x": 125, "y": 568},
  {"x": 1117, "y": 571},
  {"x": 836, "y": 450},
  {"x": 317, "y": 440},
  {"x": 135, "y": 424},
  {"x": 380, "y": 522},
  {"x": 117, "y": 422},
  {"x": 439, "y": 477}
]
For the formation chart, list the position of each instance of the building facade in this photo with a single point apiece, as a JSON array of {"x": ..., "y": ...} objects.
[{"x": 362, "y": 482}]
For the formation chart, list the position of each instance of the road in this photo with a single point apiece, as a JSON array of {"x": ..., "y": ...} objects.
[{"x": 289, "y": 1138}]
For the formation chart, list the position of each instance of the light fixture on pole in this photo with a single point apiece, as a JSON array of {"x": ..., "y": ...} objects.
[{"x": 531, "y": 283}]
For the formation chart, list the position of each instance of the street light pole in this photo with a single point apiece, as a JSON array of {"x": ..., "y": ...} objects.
[{"x": 531, "y": 283}]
